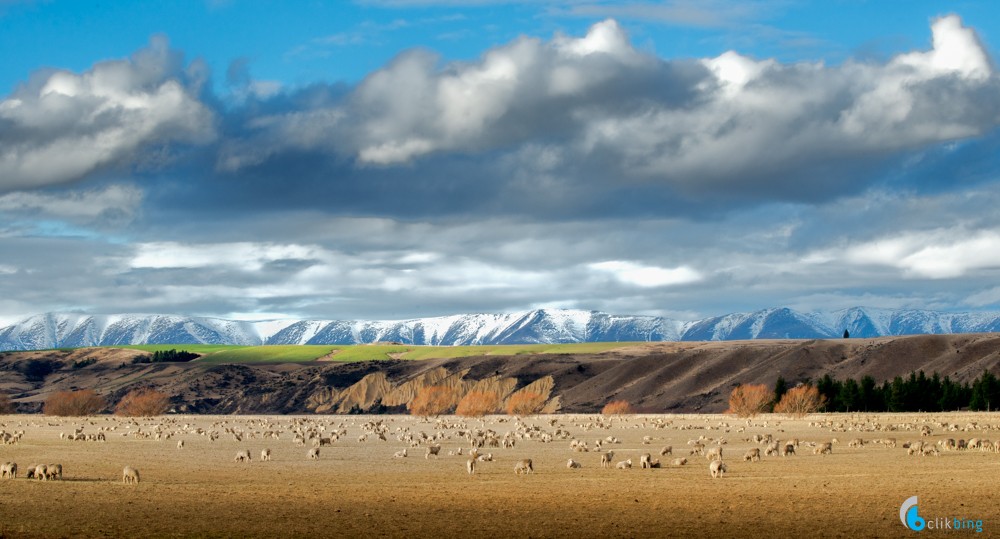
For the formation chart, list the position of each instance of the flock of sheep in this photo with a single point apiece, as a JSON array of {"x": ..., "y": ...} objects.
[{"x": 476, "y": 440}]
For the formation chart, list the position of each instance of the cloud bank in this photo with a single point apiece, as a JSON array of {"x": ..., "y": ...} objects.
[{"x": 574, "y": 171}]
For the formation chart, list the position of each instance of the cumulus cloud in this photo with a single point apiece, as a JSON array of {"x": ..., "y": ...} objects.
[
  {"x": 61, "y": 126},
  {"x": 730, "y": 126}
]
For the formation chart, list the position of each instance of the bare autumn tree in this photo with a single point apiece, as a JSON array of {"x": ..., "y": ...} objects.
[
  {"x": 478, "y": 403},
  {"x": 143, "y": 402},
  {"x": 433, "y": 400},
  {"x": 6, "y": 407},
  {"x": 74, "y": 403},
  {"x": 617, "y": 407},
  {"x": 800, "y": 401},
  {"x": 525, "y": 403},
  {"x": 748, "y": 400}
]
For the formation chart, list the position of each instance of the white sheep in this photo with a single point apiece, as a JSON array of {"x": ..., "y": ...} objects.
[
  {"x": 788, "y": 449},
  {"x": 667, "y": 450},
  {"x": 470, "y": 466},
  {"x": 717, "y": 468},
  {"x": 606, "y": 459},
  {"x": 523, "y": 466},
  {"x": 572, "y": 464},
  {"x": 680, "y": 461},
  {"x": 714, "y": 453},
  {"x": 825, "y": 448},
  {"x": 314, "y": 453},
  {"x": 645, "y": 461},
  {"x": 242, "y": 456},
  {"x": 8, "y": 470},
  {"x": 180, "y": 444},
  {"x": 624, "y": 465},
  {"x": 752, "y": 455},
  {"x": 401, "y": 454},
  {"x": 130, "y": 475},
  {"x": 432, "y": 450},
  {"x": 265, "y": 454}
]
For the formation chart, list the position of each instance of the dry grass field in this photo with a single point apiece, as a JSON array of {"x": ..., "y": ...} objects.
[{"x": 359, "y": 489}]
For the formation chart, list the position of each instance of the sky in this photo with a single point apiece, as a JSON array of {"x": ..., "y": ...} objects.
[{"x": 395, "y": 159}]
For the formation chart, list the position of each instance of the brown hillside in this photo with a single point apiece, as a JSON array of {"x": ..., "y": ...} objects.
[{"x": 676, "y": 377}]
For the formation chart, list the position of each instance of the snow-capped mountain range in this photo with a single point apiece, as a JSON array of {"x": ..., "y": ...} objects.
[{"x": 63, "y": 330}]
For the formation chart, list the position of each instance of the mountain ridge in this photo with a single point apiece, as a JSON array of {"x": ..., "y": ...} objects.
[{"x": 542, "y": 326}]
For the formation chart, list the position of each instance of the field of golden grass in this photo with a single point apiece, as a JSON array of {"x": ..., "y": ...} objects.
[{"x": 358, "y": 489}]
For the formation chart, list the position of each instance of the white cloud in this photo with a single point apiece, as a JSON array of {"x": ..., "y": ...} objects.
[
  {"x": 248, "y": 256},
  {"x": 647, "y": 276},
  {"x": 62, "y": 126},
  {"x": 935, "y": 254}
]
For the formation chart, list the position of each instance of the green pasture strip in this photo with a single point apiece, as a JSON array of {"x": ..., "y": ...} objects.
[
  {"x": 290, "y": 353},
  {"x": 202, "y": 349},
  {"x": 449, "y": 352},
  {"x": 297, "y": 353}
]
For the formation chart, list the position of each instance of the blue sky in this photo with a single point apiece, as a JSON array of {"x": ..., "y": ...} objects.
[{"x": 396, "y": 158}]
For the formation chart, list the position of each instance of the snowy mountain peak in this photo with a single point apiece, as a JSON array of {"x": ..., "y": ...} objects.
[{"x": 59, "y": 330}]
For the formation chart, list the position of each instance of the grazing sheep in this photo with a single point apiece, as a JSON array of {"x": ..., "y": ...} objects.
[
  {"x": 432, "y": 450},
  {"x": 400, "y": 454},
  {"x": 752, "y": 455},
  {"x": 265, "y": 454},
  {"x": 180, "y": 444},
  {"x": 314, "y": 453},
  {"x": 54, "y": 471},
  {"x": 772, "y": 448},
  {"x": 572, "y": 464},
  {"x": 606, "y": 459},
  {"x": 915, "y": 448},
  {"x": 242, "y": 456},
  {"x": 470, "y": 466},
  {"x": 8, "y": 470},
  {"x": 717, "y": 468},
  {"x": 624, "y": 465},
  {"x": 667, "y": 450},
  {"x": 42, "y": 472},
  {"x": 523, "y": 466},
  {"x": 130, "y": 475},
  {"x": 857, "y": 442},
  {"x": 825, "y": 448},
  {"x": 787, "y": 449},
  {"x": 30, "y": 471},
  {"x": 680, "y": 461},
  {"x": 714, "y": 454}
]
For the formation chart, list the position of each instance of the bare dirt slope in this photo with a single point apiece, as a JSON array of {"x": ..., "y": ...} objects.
[{"x": 654, "y": 377}]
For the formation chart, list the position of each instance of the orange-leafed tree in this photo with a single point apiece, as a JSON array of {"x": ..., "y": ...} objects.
[
  {"x": 525, "y": 403},
  {"x": 478, "y": 403},
  {"x": 617, "y": 407},
  {"x": 800, "y": 401},
  {"x": 748, "y": 400},
  {"x": 74, "y": 403},
  {"x": 433, "y": 400},
  {"x": 143, "y": 402}
]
